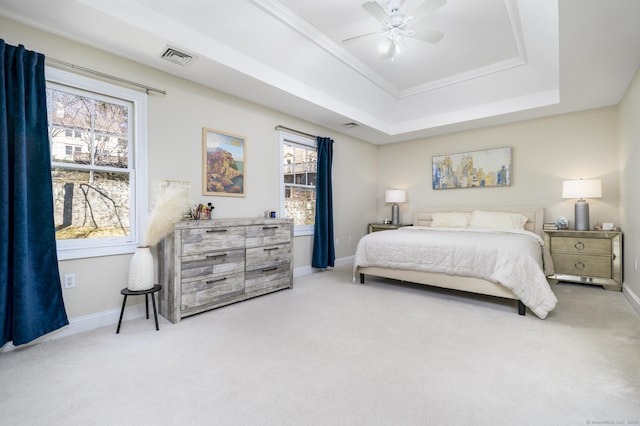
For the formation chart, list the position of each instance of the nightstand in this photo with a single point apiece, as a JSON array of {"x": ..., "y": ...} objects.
[
  {"x": 373, "y": 227},
  {"x": 587, "y": 257}
]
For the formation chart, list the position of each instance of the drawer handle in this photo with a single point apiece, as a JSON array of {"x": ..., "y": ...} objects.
[
  {"x": 216, "y": 230},
  {"x": 579, "y": 265},
  {"x": 579, "y": 245},
  {"x": 215, "y": 256},
  {"x": 270, "y": 248},
  {"x": 269, "y": 269},
  {"x": 270, "y": 227},
  {"x": 216, "y": 281}
]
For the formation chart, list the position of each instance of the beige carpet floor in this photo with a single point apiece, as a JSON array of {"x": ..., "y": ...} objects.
[{"x": 331, "y": 352}]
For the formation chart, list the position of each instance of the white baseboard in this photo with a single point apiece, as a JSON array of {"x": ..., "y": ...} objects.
[
  {"x": 345, "y": 261},
  {"x": 632, "y": 297},
  {"x": 306, "y": 270},
  {"x": 87, "y": 323},
  {"x": 301, "y": 272}
]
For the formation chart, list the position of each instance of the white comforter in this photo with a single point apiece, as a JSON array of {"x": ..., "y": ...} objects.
[{"x": 513, "y": 259}]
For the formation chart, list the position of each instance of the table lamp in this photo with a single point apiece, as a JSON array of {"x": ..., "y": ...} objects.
[
  {"x": 581, "y": 189},
  {"x": 395, "y": 196}
]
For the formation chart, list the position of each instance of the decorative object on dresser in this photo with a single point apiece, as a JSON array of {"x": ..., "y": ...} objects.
[
  {"x": 375, "y": 227},
  {"x": 587, "y": 257},
  {"x": 395, "y": 196},
  {"x": 581, "y": 189},
  {"x": 208, "y": 264}
]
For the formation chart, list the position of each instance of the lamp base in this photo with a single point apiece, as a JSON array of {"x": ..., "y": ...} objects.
[
  {"x": 582, "y": 215},
  {"x": 395, "y": 214}
]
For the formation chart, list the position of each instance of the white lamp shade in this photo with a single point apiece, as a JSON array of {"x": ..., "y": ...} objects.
[
  {"x": 395, "y": 196},
  {"x": 582, "y": 188}
]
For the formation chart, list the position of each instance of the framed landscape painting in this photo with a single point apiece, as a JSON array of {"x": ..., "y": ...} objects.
[
  {"x": 223, "y": 163},
  {"x": 475, "y": 169}
]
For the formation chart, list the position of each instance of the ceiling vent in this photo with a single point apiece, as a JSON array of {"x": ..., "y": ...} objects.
[
  {"x": 177, "y": 57},
  {"x": 350, "y": 125}
]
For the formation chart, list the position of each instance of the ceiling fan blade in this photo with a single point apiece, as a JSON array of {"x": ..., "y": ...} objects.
[
  {"x": 376, "y": 10},
  {"x": 427, "y": 6},
  {"x": 390, "y": 53},
  {"x": 430, "y": 36},
  {"x": 351, "y": 39}
]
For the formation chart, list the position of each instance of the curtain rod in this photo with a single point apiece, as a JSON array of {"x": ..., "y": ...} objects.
[
  {"x": 101, "y": 74},
  {"x": 279, "y": 127}
]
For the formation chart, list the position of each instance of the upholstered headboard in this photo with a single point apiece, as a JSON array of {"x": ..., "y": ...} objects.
[{"x": 535, "y": 215}]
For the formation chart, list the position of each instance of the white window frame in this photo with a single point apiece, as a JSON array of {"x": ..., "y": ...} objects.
[
  {"x": 94, "y": 247},
  {"x": 284, "y": 137}
]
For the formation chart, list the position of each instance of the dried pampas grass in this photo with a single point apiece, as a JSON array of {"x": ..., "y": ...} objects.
[{"x": 170, "y": 207}]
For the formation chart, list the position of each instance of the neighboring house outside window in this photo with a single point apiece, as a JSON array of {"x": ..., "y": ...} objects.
[
  {"x": 98, "y": 142},
  {"x": 298, "y": 169}
]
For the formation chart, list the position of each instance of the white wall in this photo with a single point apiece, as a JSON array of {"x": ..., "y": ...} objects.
[
  {"x": 175, "y": 152},
  {"x": 545, "y": 152},
  {"x": 629, "y": 122}
]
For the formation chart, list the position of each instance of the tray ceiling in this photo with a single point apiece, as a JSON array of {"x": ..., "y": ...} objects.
[{"x": 499, "y": 61}]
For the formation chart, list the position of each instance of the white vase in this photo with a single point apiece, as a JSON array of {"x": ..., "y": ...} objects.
[{"x": 141, "y": 273}]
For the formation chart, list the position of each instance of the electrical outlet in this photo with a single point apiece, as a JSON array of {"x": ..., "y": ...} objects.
[
  {"x": 69, "y": 280},
  {"x": 635, "y": 265},
  {"x": 337, "y": 242}
]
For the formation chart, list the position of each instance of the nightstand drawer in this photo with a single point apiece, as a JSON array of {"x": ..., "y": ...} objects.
[
  {"x": 375, "y": 227},
  {"x": 589, "y": 266},
  {"x": 581, "y": 245}
]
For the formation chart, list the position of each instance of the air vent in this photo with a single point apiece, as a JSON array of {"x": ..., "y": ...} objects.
[
  {"x": 177, "y": 57},
  {"x": 350, "y": 125}
]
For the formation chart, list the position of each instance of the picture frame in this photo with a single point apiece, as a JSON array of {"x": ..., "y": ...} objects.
[
  {"x": 223, "y": 163},
  {"x": 474, "y": 169}
]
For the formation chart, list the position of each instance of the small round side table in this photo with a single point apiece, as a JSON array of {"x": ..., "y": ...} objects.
[{"x": 126, "y": 292}]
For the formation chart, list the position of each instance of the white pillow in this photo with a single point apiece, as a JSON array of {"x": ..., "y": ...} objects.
[
  {"x": 450, "y": 219},
  {"x": 497, "y": 220}
]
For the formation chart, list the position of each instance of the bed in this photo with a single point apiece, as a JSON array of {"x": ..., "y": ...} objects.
[{"x": 507, "y": 263}]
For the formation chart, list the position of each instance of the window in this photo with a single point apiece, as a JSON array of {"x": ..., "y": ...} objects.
[
  {"x": 97, "y": 133},
  {"x": 298, "y": 166}
]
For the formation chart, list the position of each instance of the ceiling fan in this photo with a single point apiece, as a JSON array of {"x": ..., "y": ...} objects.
[{"x": 397, "y": 26}]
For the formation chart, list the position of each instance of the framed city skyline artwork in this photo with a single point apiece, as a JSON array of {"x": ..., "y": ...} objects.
[{"x": 474, "y": 169}]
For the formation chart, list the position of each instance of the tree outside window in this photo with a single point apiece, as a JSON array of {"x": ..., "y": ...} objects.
[{"x": 96, "y": 180}]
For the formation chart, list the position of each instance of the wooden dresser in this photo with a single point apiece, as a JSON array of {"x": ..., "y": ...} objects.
[
  {"x": 205, "y": 264},
  {"x": 588, "y": 257}
]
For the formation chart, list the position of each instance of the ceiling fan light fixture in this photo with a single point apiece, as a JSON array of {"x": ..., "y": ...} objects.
[
  {"x": 384, "y": 45},
  {"x": 397, "y": 25}
]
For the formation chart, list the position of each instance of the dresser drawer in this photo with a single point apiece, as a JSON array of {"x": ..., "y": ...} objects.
[
  {"x": 260, "y": 257},
  {"x": 204, "y": 240},
  {"x": 198, "y": 293},
  {"x": 581, "y": 265},
  {"x": 581, "y": 245},
  {"x": 212, "y": 264},
  {"x": 268, "y": 278},
  {"x": 268, "y": 234}
]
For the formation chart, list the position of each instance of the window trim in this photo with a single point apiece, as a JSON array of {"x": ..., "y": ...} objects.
[
  {"x": 284, "y": 137},
  {"x": 84, "y": 248}
]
